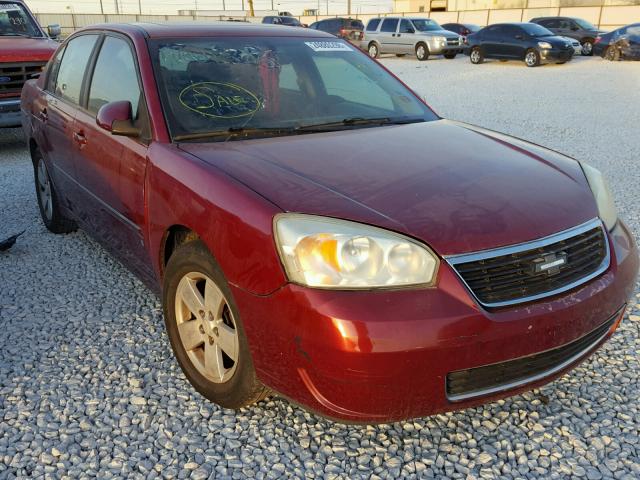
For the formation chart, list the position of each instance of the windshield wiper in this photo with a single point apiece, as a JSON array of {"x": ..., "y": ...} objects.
[
  {"x": 360, "y": 121},
  {"x": 236, "y": 132}
]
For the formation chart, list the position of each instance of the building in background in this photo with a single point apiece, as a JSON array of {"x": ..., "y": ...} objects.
[{"x": 465, "y": 5}]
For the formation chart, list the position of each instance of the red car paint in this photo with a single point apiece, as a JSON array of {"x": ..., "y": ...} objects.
[
  {"x": 359, "y": 356},
  {"x": 18, "y": 52}
]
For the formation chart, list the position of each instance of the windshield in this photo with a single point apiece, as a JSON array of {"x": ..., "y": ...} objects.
[
  {"x": 535, "y": 30},
  {"x": 426, "y": 25},
  {"x": 584, "y": 24},
  {"x": 472, "y": 28},
  {"x": 15, "y": 21},
  {"x": 285, "y": 85}
]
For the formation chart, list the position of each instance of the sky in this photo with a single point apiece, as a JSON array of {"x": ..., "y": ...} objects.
[{"x": 167, "y": 7}]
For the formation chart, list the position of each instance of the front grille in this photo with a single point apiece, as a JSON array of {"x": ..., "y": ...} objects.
[
  {"x": 453, "y": 42},
  {"x": 14, "y": 75},
  {"x": 536, "y": 269},
  {"x": 475, "y": 382}
]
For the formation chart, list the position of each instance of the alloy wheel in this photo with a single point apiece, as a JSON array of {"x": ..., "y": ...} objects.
[
  {"x": 44, "y": 190},
  {"x": 531, "y": 58},
  {"x": 206, "y": 327},
  {"x": 587, "y": 48},
  {"x": 421, "y": 52},
  {"x": 475, "y": 56},
  {"x": 373, "y": 51}
]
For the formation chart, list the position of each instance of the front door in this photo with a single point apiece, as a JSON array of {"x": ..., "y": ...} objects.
[{"x": 111, "y": 169}]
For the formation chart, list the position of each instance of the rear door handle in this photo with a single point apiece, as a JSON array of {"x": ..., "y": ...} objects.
[{"x": 80, "y": 138}]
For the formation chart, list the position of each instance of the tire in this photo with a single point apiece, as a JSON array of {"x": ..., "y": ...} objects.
[
  {"x": 532, "y": 58},
  {"x": 48, "y": 201},
  {"x": 587, "y": 47},
  {"x": 192, "y": 277},
  {"x": 476, "y": 56},
  {"x": 450, "y": 56},
  {"x": 612, "y": 53},
  {"x": 422, "y": 51},
  {"x": 374, "y": 51}
]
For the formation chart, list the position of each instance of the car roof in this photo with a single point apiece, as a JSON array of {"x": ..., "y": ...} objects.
[{"x": 213, "y": 29}]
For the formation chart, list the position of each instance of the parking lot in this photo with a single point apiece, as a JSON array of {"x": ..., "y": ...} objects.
[{"x": 89, "y": 385}]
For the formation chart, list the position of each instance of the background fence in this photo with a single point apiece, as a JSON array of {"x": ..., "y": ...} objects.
[{"x": 605, "y": 17}]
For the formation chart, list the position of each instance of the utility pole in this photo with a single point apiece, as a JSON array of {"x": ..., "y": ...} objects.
[
  {"x": 117, "y": 8},
  {"x": 349, "y": 7},
  {"x": 140, "y": 6},
  {"x": 251, "y": 12},
  {"x": 101, "y": 8}
]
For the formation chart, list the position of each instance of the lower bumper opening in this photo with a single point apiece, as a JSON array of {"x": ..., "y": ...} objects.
[{"x": 498, "y": 377}]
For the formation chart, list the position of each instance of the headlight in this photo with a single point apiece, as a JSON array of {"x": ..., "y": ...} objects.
[
  {"x": 440, "y": 40},
  {"x": 545, "y": 45},
  {"x": 604, "y": 199},
  {"x": 330, "y": 253}
]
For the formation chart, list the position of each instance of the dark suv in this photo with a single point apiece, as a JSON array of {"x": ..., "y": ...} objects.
[
  {"x": 348, "y": 28},
  {"x": 583, "y": 31}
]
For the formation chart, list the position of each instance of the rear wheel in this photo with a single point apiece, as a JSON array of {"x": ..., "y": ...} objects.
[
  {"x": 612, "y": 53},
  {"x": 587, "y": 47},
  {"x": 476, "y": 56},
  {"x": 205, "y": 330},
  {"x": 48, "y": 202},
  {"x": 532, "y": 58},
  {"x": 374, "y": 51},
  {"x": 422, "y": 51},
  {"x": 450, "y": 56}
]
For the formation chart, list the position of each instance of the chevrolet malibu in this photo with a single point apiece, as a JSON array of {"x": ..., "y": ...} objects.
[{"x": 316, "y": 230}]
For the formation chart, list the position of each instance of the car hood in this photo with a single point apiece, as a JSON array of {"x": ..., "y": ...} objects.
[
  {"x": 456, "y": 187},
  {"x": 22, "y": 49},
  {"x": 439, "y": 33}
]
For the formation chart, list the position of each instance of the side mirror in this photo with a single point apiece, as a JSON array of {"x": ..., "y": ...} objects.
[
  {"x": 116, "y": 118},
  {"x": 411, "y": 30},
  {"x": 54, "y": 31},
  {"x": 575, "y": 28}
]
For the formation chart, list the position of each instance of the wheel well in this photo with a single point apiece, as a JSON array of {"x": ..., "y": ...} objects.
[
  {"x": 173, "y": 238},
  {"x": 587, "y": 38},
  {"x": 33, "y": 148}
]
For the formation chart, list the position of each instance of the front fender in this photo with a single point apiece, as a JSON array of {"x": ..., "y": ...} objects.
[{"x": 232, "y": 220}]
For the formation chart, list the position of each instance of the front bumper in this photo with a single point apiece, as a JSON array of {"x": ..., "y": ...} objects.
[
  {"x": 10, "y": 112},
  {"x": 439, "y": 49},
  {"x": 384, "y": 356},
  {"x": 556, "y": 55}
]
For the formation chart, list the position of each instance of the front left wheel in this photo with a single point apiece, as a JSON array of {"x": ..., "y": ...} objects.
[
  {"x": 422, "y": 51},
  {"x": 587, "y": 48},
  {"x": 205, "y": 330},
  {"x": 532, "y": 58}
]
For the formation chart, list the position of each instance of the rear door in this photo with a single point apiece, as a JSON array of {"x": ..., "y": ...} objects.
[
  {"x": 492, "y": 41},
  {"x": 57, "y": 113},
  {"x": 371, "y": 31},
  {"x": 111, "y": 169},
  {"x": 387, "y": 35}
]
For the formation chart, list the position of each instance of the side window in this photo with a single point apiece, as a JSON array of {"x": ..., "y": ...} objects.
[
  {"x": 372, "y": 26},
  {"x": 389, "y": 25},
  {"x": 72, "y": 68},
  {"x": 511, "y": 31},
  {"x": 115, "y": 77},
  {"x": 288, "y": 77},
  {"x": 406, "y": 27},
  {"x": 54, "y": 67},
  {"x": 564, "y": 24}
]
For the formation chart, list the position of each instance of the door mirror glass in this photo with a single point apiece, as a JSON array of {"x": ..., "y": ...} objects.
[
  {"x": 54, "y": 31},
  {"x": 116, "y": 118}
]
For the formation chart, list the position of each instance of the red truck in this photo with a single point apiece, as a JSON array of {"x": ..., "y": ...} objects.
[{"x": 25, "y": 49}]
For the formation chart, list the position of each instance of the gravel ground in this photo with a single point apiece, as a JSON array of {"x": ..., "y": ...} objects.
[{"x": 89, "y": 386}]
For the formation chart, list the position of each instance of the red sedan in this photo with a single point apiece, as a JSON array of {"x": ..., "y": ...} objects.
[{"x": 315, "y": 229}]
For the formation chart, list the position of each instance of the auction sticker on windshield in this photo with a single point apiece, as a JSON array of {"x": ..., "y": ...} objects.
[{"x": 325, "y": 46}]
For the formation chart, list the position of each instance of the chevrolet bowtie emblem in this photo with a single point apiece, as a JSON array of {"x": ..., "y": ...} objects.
[{"x": 550, "y": 263}]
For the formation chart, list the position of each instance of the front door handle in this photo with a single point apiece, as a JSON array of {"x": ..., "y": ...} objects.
[{"x": 80, "y": 138}]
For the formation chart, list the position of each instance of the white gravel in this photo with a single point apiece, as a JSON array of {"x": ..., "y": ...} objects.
[{"x": 88, "y": 384}]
